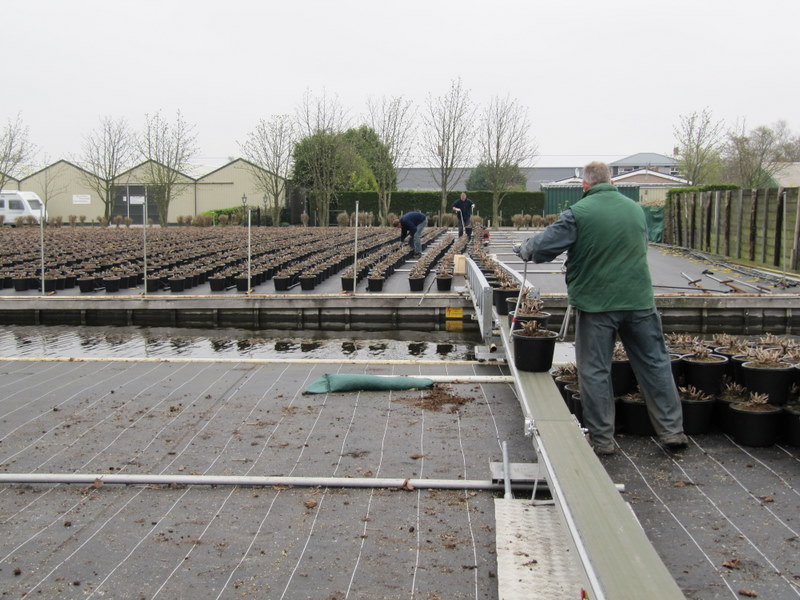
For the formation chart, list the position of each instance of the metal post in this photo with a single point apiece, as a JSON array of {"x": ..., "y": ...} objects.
[
  {"x": 144, "y": 236},
  {"x": 249, "y": 250},
  {"x": 355, "y": 253},
  {"x": 41, "y": 241}
]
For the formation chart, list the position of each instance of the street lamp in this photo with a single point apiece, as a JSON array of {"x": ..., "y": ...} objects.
[{"x": 244, "y": 200}]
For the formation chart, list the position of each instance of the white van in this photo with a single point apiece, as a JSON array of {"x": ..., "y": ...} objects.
[{"x": 15, "y": 204}]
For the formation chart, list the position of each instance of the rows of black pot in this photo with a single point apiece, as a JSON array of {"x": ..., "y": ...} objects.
[{"x": 748, "y": 423}]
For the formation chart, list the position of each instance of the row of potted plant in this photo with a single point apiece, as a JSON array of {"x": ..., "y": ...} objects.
[{"x": 744, "y": 409}]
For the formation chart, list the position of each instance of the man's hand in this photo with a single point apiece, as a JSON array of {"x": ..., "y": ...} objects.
[
  {"x": 457, "y": 209},
  {"x": 517, "y": 249}
]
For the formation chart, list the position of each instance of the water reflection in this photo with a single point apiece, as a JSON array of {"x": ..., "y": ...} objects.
[
  {"x": 377, "y": 349},
  {"x": 417, "y": 348},
  {"x": 221, "y": 345},
  {"x": 151, "y": 342}
]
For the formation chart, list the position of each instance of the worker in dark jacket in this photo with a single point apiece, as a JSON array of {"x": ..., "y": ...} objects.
[
  {"x": 463, "y": 208},
  {"x": 412, "y": 224},
  {"x": 609, "y": 285}
]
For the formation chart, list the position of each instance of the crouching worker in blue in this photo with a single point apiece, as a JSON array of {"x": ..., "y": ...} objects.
[
  {"x": 608, "y": 283},
  {"x": 412, "y": 224}
]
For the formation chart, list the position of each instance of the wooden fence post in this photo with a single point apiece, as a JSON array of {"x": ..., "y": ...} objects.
[
  {"x": 751, "y": 251},
  {"x": 796, "y": 237},
  {"x": 717, "y": 224}
]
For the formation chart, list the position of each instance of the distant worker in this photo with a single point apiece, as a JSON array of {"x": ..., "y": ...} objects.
[
  {"x": 608, "y": 283},
  {"x": 412, "y": 224},
  {"x": 463, "y": 208}
]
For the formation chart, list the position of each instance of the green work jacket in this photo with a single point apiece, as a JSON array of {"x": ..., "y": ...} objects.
[{"x": 607, "y": 266}]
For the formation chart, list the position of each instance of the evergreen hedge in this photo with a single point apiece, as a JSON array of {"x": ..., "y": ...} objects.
[{"x": 428, "y": 202}]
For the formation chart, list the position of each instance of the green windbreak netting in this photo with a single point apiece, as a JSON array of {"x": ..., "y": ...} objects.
[
  {"x": 654, "y": 215},
  {"x": 348, "y": 383}
]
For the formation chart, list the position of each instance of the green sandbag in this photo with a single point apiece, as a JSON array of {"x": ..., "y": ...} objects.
[{"x": 349, "y": 382}]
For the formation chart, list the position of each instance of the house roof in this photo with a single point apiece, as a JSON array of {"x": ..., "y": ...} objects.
[
  {"x": 644, "y": 159},
  {"x": 664, "y": 178},
  {"x": 153, "y": 161},
  {"x": 50, "y": 166}
]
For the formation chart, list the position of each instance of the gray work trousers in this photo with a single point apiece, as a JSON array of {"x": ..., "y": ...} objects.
[{"x": 641, "y": 334}]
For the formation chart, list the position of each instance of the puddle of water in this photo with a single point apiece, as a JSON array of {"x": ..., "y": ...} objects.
[{"x": 60, "y": 341}]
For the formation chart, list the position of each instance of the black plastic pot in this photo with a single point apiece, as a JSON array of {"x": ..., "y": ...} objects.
[
  {"x": 756, "y": 427},
  {"x": 281, "y": 283},
  {"x": 622, "y": 379},
  {"x": 416, "y": 284},
  {"x": 791, "y": 425},
  {"x": 444, "y": 284},
  {"x": 375, "y": 284},
  {"x": 177, "y": 284},
  {"x": 698, "y": 416},
  {"x": 634, "y": 417},
  {"x": 534, "y": 353},
  {"x": 499, "y": 297},
  {"x": 706, "y": 376},
  {"x": 217, "y": 284},
  {"x": 775, "y": 382},
  {"x": 86, "y": 284}
]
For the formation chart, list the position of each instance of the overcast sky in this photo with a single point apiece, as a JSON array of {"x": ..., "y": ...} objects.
[{"x": 604, "y": 78}]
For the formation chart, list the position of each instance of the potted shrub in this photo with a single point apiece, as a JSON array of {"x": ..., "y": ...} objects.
[
  {"x": 756, "y": 422},
  {"x": 444, "y": 276},
  {"x": 703, "y": 369},
  {"x": 508, "y": 288},
  {"x": 698, "y": 410},
  {"x": 564, "y": 374},
  {"x": 731, "y": 393},
  {"x": 531, "y": 308},
  {"x": 623, "y": 380},
  {"x": 634, "y": 417},
  {"x": 767, "y": 373},
  {"x": 533, "y": 347}
]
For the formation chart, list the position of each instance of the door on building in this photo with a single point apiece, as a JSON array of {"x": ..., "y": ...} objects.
[{"x": 129, "y": 202}]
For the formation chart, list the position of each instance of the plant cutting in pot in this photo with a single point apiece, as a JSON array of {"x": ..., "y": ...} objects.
[
  {"x": 767, "y": 373},
  {"x": 756, "y": 422},
  {"x": 731, "y": 393},
  {"x": 681, "y": 343},
  {"x": 622, "y": 377},
  {"x": 703, "y": 369},
  {"x": 634, "y": 417},
  {"x": 531, "y": 308},
  {"x": 698, "y": 410},
  {"x": 508, "y": 288},
  {"x": 533, "y": 347},
  {"x": 564, "y": 375}
]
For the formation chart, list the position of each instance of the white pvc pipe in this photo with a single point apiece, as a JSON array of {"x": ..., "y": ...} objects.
[{"x": 340, "y": 482}]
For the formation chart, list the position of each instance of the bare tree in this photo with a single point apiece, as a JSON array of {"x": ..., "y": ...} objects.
[
  {"x": 504, "y": 146},
  {"x": 15, "y": 150},
  {"x": 392, "y": 120},
  {"x": 167, "y": 148},
  {"x": 322, "y": 150},
  {"x": 447, "y": 137},
  {"x": 268, "y": 150},
  {"x": 699, "y": 137},
  {"x": 51, "y": 181},
  {"x": 752, "y": 158},
  {"x": 107, "y": 152}
]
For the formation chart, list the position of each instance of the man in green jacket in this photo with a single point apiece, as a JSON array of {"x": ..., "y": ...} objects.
[{"x": 608, "y": 283}]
